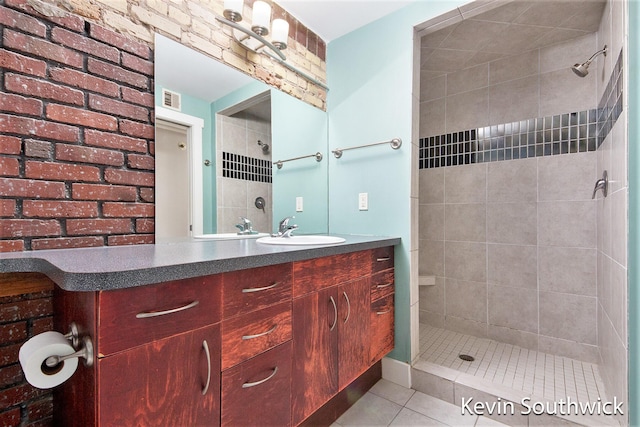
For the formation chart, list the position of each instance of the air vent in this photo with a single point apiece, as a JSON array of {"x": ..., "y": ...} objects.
[{"x": 170, "y": 99}]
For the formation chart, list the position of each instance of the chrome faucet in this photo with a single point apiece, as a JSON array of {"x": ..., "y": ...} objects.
[
  {"x": 601, "y": 184},
  {"x": 284, "y": 229},
  {"x": 245, "y": 227}
]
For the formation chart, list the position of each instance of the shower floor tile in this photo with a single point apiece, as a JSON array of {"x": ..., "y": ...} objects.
[{"x": 536, "y": 373}]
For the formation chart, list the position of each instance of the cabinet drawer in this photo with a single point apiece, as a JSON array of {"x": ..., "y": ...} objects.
[
  {"x": 382, "y": 324},
  {"x": 258, "y": 391},
  {"x": 382, "y": 258},
  {"x": 249, "y": 290},
  {"x": 135, "y": 316},
  {"x": 246, "y": 336},
  {"x": 382, "y": 284},
  {"x": 319, "y": 273}
]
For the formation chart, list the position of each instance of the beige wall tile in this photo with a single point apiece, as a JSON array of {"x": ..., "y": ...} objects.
[
  {"x": 567, "y": 270},
  {"x": 434, "y": 88},
  {"x": 513, "y": 336},
  {"x": 514, "y": 100},
  {"x": 513, "y": 223},
  {"x": 466, "y": 261},
  {"x": 617, "y": 170},
  {"x": 465, "y": 222},
  {"x": 512, "y": 265},
  {"x": 432, "y": 222},
  {"x": 432, "y": 117},
  {"x": 568, "y": 348},
  {"x": 468, "y": 79},
  {"x": 570, "y": 224},
  {"x": 563, "y": 55},
  {"x": 619, "y": 226},
  {"x": 513, "y": 181},
  {"x": 467, "y": 110},
  {"x": 466, "y": 300},
  {"x": 432, "y": 297},
  {"x": 569, "y": 177},
  {"x": 562, "y": 91},
  {"x": 433, "y": 319},
  {"x": 466, "y": 184},
  {"x": 513, "y": 67},
  {"x": 431, "y": 257},
  {"x": 567, "y": 316},
  {"x": 514, "y": 308},
  {"x": 618, "y": 311},
  {"x": 466, "y": 326},
  {"x": 432, "y": 185}
]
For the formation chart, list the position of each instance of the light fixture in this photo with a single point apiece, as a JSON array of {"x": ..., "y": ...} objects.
[{"x": 254, "y": 38}]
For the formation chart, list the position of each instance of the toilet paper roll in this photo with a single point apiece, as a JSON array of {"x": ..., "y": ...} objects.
[{"x": 35, "y": 351}]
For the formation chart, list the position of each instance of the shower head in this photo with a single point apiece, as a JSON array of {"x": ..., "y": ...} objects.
[{"x": 582, "y": 70}]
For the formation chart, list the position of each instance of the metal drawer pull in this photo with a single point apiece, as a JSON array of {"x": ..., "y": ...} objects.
[
  {"x": 383, "y": 259},
  {"x": 266, "y": 288},
  {"x": 384, "y": 286},
  {"x": 247, "y": 385},
  {"x": 348, "y": 307},
  {"x": 335, "y": 313},
  {"x": 383, "y": 312},
  {"x": 250, "y": 337},
  {"x": 146, "y": 314},
  {"x": 206, "y": 351}
]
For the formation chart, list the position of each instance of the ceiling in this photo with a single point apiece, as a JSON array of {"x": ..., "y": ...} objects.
[{"x": 511, "y": 29}]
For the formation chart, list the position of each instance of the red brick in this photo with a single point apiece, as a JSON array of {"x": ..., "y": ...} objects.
[
  {"x": 59, "y": 209},
  {"x": 85, "y": 81},
  {"x": 113, "y": 140},
  {"x": 7, "y": 208},
  {"x": 9, "y": 353},
  {"x": 69, "y": 21},
  {"x": 152, "y": 148},
  {"x": 81, "y": 154},
  {"x": 9, "y": 166},
  {"x": 120, "y": 41},
  {"x": 128, "y": 210},
  {"x": 11, "y": 245},
  {"x": 35, "y": 148},
  {"x": 28, "y": 227},
  {"x": 76, "y": 227},
  {"x": 137, "y": 97},
  {"x": 40, "y": 409},
  {"x": 42, "y": 324},
  {"x": 147, "y": 195},
  {"x": 44, "y": 89},
  {"x": 20, "y": 105},
  {"x": 67, "y": 243},
  {"x": 77, "y": 116},
  {"x": 61, "y": 171},
  {"x": 15, "y": 187},
  {"x": 27, "y": 309},
  {"x": 140, "y": 130},
  {"x": 145, "y": 225},
  {"x": 9, "y": 145},
  {"x": 10, "y": 417},
  {"x": 117, "y": 176},
  {"x": 41, "y": 128},
  {"x": 42, "y": 48},
  {"x": 85, "y": 44},
  {"x": 15, "y": 19},
  {"x": 19, "y": 394},
  {"x": 137, "y": 64},
  {"x": 23, "y": 64},
  {"x": 113, "y": 72},
  {"x": 132, "y": 239},
  {"x": 118, "y": 108},
  {"x": 136, "y": 161},
  {"x": 103, "y": 192},
  {"x": 10, "y": 375},
  {"x": 13, "y": 332}
]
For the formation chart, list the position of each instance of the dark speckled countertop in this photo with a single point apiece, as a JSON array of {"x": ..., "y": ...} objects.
[{"x": 117, "y": 267}]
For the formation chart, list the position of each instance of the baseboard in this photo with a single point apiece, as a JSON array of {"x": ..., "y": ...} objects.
[{"x": 396, "y": 372}]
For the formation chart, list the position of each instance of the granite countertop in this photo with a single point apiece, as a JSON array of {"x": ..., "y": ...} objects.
[{"x": 117, "y": 267}]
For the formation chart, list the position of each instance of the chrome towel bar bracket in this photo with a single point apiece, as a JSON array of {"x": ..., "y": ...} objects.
[
  {"x": 395, "y": 144},
  {"x": 318, "y": 157}
]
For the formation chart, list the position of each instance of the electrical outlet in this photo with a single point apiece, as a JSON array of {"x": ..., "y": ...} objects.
[
  {"x": 299, "y": 204},
  {"x": 363, "y": 201}
]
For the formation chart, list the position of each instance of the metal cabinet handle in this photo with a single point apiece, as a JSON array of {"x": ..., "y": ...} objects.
[
  {"x": 383, "y": 312},
  {"x": 384, "y": 286},
  {"x": 146, "y": 314},
  {"x": 247, "y": 385},
  {"x": 250, "y": 337},
  {"x": 348, "y": 307},
  {"x": 206, "y": 351},
  {"x": 383, "y": 259},
  {"x": 335, "y": 313},
  {"x": 266, "y": 288}
]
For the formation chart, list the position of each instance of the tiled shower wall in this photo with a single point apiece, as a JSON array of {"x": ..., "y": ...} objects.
[
  {"x": 512, "y": 244},
  {"x": 247, "y": 173},
  {"x": 612, "y": 220}
]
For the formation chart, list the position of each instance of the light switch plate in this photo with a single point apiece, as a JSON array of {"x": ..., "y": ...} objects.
[
  {"x": 363, "y": 201},
  {"x": 299, "y": 204}
]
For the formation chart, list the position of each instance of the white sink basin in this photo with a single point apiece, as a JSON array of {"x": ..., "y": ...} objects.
[
  {"x": 229, "y": 236},
  {"x": 301, "y": 240}
]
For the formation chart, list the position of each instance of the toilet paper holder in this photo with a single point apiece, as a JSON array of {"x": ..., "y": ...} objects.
[{"x": 86, "y": 351}]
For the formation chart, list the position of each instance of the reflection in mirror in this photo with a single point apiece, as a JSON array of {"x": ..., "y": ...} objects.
[{"x": 233, "y": 127}]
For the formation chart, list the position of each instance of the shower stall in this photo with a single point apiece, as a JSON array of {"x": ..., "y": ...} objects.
[{"x": 522, "y": 263}]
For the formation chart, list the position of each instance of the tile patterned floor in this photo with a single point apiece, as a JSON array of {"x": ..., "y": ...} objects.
[
  {"x": 537, "y": 373},
  {"x": 388, "y": 404}
]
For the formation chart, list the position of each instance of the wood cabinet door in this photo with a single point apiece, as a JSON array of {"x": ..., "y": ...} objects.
[
  {"x": 315, "y": 355},
  {"x": 173, "y": 381},
  {"x": 382, "y": 324},
  {"x": 353, "y": 329}
]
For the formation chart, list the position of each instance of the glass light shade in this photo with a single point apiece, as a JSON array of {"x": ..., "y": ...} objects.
[
  {"x": 261, "y": 18},
  {"x": 280, "y": 33},
  {"x": 233, "y": 10}
]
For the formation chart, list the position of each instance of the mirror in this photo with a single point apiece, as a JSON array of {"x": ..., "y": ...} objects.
[{"x": 218, "y": 134}]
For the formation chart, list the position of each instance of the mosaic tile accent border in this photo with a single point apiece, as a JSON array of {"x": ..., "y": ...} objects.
[
  {"x": 574, "y": 132},
  {"x": 236, "y": 166}
]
